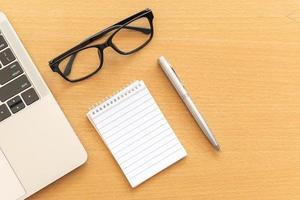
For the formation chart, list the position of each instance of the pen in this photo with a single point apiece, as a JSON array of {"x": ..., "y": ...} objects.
[{"x": 176, "y": 82}]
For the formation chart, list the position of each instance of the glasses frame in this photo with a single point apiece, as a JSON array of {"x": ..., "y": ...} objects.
[{"x": 54, "y": 63}]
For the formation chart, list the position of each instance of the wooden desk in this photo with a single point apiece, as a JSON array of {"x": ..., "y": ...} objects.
[{"x": 239, "y": 60}]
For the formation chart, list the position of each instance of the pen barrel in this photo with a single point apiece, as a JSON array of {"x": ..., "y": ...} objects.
[
  {"x": 173, "y": 77},
  {"x": 177, "y": 84},
  {"x": 200, "y": 120}
]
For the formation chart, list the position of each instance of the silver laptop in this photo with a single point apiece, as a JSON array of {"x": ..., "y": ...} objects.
[{"x": 37, "y": 143}]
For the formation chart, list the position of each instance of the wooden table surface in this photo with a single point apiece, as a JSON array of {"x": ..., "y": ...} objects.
[{"x": 238, "y": 59}]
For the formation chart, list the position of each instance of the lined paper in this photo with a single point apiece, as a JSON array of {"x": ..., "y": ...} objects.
[{"x": 137, "y": 133}]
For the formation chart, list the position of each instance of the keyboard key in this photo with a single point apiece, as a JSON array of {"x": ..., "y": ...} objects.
[
  {"x": 30, "y": 96},
  {"x": 7, "y": 57},
  {"x": 14, "y": 101},
  {"x": 16, "y": 104},
  {"x": 3, "y": 43},
  {"x": 4, "y": 112},
  {"x": 14, "y": 87},
  {"x": 10, "y": 72}
]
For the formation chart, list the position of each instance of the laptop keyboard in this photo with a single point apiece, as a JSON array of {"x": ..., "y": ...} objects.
[{"x": 16, "y": 90}]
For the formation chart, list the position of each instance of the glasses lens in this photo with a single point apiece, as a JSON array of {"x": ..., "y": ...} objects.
[
  {"x": 133, "y": 35},
  {"x": 81, "y": 64}
]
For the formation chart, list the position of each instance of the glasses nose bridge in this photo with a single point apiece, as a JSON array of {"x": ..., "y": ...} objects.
[{"x": 104, "y": 45}]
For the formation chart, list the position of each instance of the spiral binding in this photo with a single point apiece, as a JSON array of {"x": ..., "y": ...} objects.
[{"x": 97, "y": 108}]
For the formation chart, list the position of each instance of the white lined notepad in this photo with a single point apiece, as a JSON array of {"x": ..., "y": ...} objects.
[{"x": 137, "y": 133}]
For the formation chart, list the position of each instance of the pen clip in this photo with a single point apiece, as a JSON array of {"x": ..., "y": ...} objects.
[{"x": 177, "y": 76}]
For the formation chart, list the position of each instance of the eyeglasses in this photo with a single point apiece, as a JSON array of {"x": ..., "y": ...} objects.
[{"x": 84, "y": 60}]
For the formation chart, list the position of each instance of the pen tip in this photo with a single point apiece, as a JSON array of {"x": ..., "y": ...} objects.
[{"x": 217, "y": 147}]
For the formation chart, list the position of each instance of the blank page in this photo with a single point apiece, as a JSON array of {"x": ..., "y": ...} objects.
[{"x": 137, "y": 133}]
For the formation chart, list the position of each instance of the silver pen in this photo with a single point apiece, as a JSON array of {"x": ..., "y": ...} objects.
[{"x": 176, "y": 82}]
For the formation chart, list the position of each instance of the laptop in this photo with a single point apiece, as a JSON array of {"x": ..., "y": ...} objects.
[{"x": 37, "y": 143}]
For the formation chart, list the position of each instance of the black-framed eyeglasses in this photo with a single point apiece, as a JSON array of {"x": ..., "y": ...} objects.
[{"x": 84, "y": 60}]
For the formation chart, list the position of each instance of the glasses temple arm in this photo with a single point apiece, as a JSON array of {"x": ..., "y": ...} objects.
[
  {"x": 69, "y": 65},
  {"x": 140, "y": 29},
  {"x": 68, "y": 68},
  {"x": 109, "y": 29}
]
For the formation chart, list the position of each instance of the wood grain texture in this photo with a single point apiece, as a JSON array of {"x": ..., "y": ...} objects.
[{"x": 240, "y": 62}]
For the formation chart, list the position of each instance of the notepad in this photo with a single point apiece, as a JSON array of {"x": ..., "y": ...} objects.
[{"x": 136, "y": 133}]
